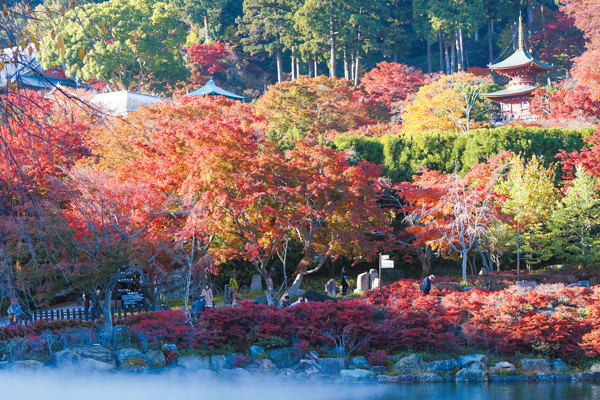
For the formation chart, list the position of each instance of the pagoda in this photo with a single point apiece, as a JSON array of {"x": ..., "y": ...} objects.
[{"x": 521, "y": 68}]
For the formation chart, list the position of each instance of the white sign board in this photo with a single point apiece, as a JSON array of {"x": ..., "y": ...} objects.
[
  {"x": 387, "y": 263},
  {"x": 384, "y": 256}
]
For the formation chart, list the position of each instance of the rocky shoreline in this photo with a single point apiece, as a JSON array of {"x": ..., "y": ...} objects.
[{"x": 290, "y": 364}]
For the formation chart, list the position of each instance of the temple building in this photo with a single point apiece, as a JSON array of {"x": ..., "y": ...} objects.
[
  {"x": 521, "y": 68},
  {"x": 211, "y": 89}
]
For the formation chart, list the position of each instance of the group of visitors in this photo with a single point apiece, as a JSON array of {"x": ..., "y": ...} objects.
[
  {"x": 94, "y": 303},
  {"x": 206, "y": 300}
]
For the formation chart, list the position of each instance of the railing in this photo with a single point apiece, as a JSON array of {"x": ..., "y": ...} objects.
[
  {"x": 80, "y": 314},
  {"x": 498, "y": 120}
]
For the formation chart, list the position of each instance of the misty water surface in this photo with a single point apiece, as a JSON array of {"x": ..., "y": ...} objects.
[{"x": 59, "y": 385}]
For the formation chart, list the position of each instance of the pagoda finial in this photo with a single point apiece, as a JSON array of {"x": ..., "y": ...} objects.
[{"x": 520, "y": 40}]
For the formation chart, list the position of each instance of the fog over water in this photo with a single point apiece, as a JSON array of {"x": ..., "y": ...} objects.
[{"x": 174, "y": 385}]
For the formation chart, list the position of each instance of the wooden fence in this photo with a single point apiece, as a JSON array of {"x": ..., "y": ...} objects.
[{"x": 80, "y": 314}]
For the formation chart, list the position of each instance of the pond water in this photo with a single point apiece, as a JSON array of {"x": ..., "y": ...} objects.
[{"x": 55, "y": 385}]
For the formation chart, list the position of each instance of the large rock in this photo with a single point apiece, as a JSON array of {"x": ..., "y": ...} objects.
[
  {"x": 535, "y": 365},
  {"x": 286, "y": 357},
  {"x": 441, "y": 366},
  {"x": 379, "y": 370},
  {"x": 261, "y": 299},
  {"x": 373, "y": 274},
  {"x": 131, "y": 359},
  {"x": 362, "y": 282},
  {"x": 359, "y": 363},
  {"x": 595, "y": 368},
  {"x": 232, "y": 360},
  {"x": 503, "y": 366},
  {"x": 256, "y": 284},
  {"x": 95, "y": 358},
  {"x": 194, "y": 363},
  {"x": 466, "y": 360},
  {"x": 262, "y": 366},
  {"x": 28, "y": 365},
  {"x": 332, "y": 366},
  {"x": 355, "y": 375},
  {"x": 526, "y": 284},
  {"x": 311, "y": 295},
  {"x": 553, "y": 376},
  {"x": 396, "y": 379},
  {"x": 309, "y": 367},
  {"x": 558, "y": 365},
  {"x": 428, "y": 378},
  {"x": 412, "y": 364},
  {"x": 255, "y": 351},
  {"x": 471, "y": 375},
  {"x": 156, "y": 359}
]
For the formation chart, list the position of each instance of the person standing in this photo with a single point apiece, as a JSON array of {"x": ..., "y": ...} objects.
[
  {"x": 15, "y": 312},
  {"x": 234, "y": 287},
  {"x": 87, "y": 302},
  {"x": 426, "y": 284},
  {"x": 198, "y": 307},
  {"x": 208, "y": 296},
  {"x": 344, "y": 281},
  {"x": 97, "y": 305}
]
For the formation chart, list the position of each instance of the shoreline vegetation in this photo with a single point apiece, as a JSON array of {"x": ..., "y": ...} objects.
[{"x": 396, "y": 335}]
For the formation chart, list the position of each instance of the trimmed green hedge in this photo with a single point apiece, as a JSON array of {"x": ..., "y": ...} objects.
[{"x": 402, "y": 155}]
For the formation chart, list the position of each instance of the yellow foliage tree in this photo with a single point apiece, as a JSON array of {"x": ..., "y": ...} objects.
[{"x": 450, "y": 103}]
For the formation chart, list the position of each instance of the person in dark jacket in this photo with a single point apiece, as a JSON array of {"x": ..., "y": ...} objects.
[
  {"x": 87, "y": 302},
  {"x": 344, "y": 282},
  {"x": 198, "y": 307},
  {"x": 274, "y": 279},
  {"x": 426, "y": 284}
]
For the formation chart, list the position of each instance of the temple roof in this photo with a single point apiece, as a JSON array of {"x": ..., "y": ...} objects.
[
  {"x": 212, "y": 89},
  {"x": 511, "y": 91},
  {"x": 520, "y": 58},
  {"x": 124, "y": 102}
]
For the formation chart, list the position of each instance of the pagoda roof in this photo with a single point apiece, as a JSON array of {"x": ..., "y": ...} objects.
[
  {"x": 511, "y": 91},
  {"x": 212, "y": 89},
  {"x": 520, "y": 58}
]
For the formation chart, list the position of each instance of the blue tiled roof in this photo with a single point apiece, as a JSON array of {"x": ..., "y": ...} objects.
[{"x": 212, "y": 89}]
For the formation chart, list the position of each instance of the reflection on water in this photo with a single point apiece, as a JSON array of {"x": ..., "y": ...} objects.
[{"x": 59, "y": 385}]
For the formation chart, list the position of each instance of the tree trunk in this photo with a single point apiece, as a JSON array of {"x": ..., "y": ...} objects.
[
  {"x": 357, "y": 72},
  {"x": 316, "y": 71},
  {"x": 395, "y": 55},
  {"x": 448, "y": 71},
  {"x": 206, "y": 35},
  {"x": 297, "y": 67},
  {"x": 332, "y": 65},
  {"x": 429, "y": 65},
  {"x": 352, "y": 69},
  {"x": 441, "y": 53},
  {"x": 518, "y": 251},
  {"x": 490, "y": 41},
  {"x": 453, "y": 53},
  {"x": 476, "y": 36},
  {"x": 424, "y": 255},
  {"x": 107, "y": 309},
  {"x": 346, "y": 73},
  {"x": 293, "y": 69},
  {"x": 459, "y": 64},
  {"x": 310, "y": 67},
  {"x": 464, "y": 265},
  {"x": 279, "y": 66},
  {"x": 462, "y": 50}
]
